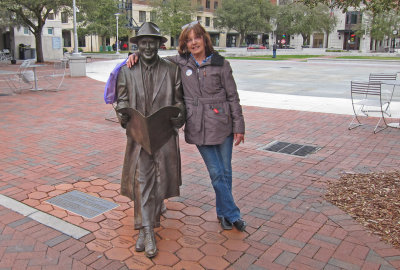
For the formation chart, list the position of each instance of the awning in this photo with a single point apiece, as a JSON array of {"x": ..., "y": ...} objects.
[{"x": 345, "y": 31}]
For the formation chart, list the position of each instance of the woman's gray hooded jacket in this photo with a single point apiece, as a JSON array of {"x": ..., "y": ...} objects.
[{"x": 211, "y": 98}]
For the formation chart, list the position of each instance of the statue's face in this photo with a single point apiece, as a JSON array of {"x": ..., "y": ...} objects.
[{"x": 148, "y": 48}]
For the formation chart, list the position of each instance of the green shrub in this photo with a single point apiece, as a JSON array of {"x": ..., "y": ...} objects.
[{"x": 333, "y": 50}]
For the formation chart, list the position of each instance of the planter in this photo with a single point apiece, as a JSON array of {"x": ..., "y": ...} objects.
[{"x": 13, "y": 61}]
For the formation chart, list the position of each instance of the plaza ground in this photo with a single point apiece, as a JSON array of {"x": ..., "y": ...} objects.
[{"x": 55, "y": 142}]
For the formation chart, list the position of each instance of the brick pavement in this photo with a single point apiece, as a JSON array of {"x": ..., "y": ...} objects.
[{"x": 55, "y": 142}]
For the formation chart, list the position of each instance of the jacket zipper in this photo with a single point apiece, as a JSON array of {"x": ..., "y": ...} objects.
[{"x": 200, "y": 88}]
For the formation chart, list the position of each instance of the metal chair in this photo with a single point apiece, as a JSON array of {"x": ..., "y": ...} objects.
[
  {"x": 5, "y": 55},
  {"x": 23, "y": 79},
  {"x": 367, "y": 95},
  {"x": 56, "y": 77},
  {"x": 388, "y": 93}
]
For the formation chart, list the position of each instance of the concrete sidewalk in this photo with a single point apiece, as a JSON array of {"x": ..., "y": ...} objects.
[{"x": 55, "y": 142}]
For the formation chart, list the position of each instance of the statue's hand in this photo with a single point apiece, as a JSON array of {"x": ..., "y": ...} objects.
[
  {"x": 124, "y": 119},
  {"x": 132, "y": 60}
]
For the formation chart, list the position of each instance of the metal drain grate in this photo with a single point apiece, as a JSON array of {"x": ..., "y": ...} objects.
[
  {"x": 82, "y": 204},
  {"x": 290, "y": 148}
]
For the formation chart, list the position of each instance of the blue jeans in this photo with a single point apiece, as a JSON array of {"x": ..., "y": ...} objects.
[
  {"x": 273, "y": 54},
  {"x": 218, "y": 161}
]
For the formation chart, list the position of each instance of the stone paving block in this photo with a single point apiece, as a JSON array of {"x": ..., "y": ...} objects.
[
  {"x": 285, "y": 258},
  {"x": 342, "y": 264},
  {"x": 279, "y": 195},
  {"x": 20, "y": 222},
  {"x": 328, "y": 239},
  {"x": 254, "y": 267}
]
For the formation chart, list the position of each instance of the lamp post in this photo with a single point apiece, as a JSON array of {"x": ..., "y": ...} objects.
[
  {"x": 77, "y": 63},
  {"x": 366, "y": 22},
  {"x": 394, "y": 39},
  {"x": 116, "y": 15},
  {"x": 75, "y": 31}
]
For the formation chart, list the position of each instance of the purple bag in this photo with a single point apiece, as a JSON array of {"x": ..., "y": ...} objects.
[{"x": 110, "y": 91}]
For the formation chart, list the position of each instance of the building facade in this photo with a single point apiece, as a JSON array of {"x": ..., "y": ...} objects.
[
  {"x": 58, "y": 34},
  {"x": 21, "y": 42},
  {"x": 142, "y": 12}
]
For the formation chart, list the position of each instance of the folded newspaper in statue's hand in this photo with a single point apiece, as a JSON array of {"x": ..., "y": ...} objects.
[{"x": 153, "y": 131}]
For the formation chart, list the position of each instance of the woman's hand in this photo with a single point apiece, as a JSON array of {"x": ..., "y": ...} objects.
[
  {"x": 238, "y": 138},
  {"x": 132, "y": 60}
]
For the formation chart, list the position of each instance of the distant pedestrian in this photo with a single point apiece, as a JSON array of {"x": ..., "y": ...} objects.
[{"x": 274, "y": 50}]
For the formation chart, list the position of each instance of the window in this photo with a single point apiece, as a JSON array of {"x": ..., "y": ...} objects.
[
  {"x": 215, "y": 4},
  {"x": 352, "y": 17},
  {"x": 208, "y": 4},
  {"x": 64, "y": 17},
  {"x": 26, "y": 30},
  {"x": 142, "y": 16},
  {"x": 66, "y": 35},
  {"x": 199, "y": 5},
  {"x": 207, "y": 21},
  {"x": 152, "y": 16},
  {"x": 199, "y": 19},
  {"x": 50, "y": 30},
  {"x": 51, "y": 16},
  {"x": 81, "y": 41}
]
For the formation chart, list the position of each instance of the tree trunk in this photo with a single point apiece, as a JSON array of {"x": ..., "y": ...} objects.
[
  {"x": 327, "y": 39},
  {"x": 39, "y": 49},
  {"x": 242, "y": 38},
  {"x": 304, "y": 39}
]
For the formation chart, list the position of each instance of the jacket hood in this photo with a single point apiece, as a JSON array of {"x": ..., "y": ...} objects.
[{"x": 216, "y": 59}]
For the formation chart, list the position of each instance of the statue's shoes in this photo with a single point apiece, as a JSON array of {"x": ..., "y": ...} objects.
[
  {"x": 149, "y": 242},
  {"x": 139, "y": 246}
]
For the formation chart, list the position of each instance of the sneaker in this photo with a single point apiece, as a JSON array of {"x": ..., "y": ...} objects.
[{"x": 240, "y": 224}]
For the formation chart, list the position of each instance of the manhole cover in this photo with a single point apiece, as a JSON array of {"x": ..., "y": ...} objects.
[
  {"x": 82, "y": 204},
  {"x": 290, "y": 148}
]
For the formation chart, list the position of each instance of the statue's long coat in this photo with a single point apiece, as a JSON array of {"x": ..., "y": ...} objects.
[{"x": 167, "y": 91}]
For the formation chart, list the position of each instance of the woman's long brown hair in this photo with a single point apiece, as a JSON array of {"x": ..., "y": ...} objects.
[{"x": 199, "y": 31}]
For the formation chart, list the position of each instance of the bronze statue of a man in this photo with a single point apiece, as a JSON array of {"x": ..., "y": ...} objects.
[{"x": 149, "y": 178}]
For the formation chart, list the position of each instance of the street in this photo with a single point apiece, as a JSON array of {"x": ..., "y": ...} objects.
[{"x": 318, "y": 85}]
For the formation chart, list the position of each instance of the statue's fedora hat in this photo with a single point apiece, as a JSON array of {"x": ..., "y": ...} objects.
[{"x": 148, "y": 29}]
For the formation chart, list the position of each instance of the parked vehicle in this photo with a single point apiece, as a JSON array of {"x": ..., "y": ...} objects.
[
  {"x": 162, "y": 47},
  {"x": 256, "y": 47}
]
